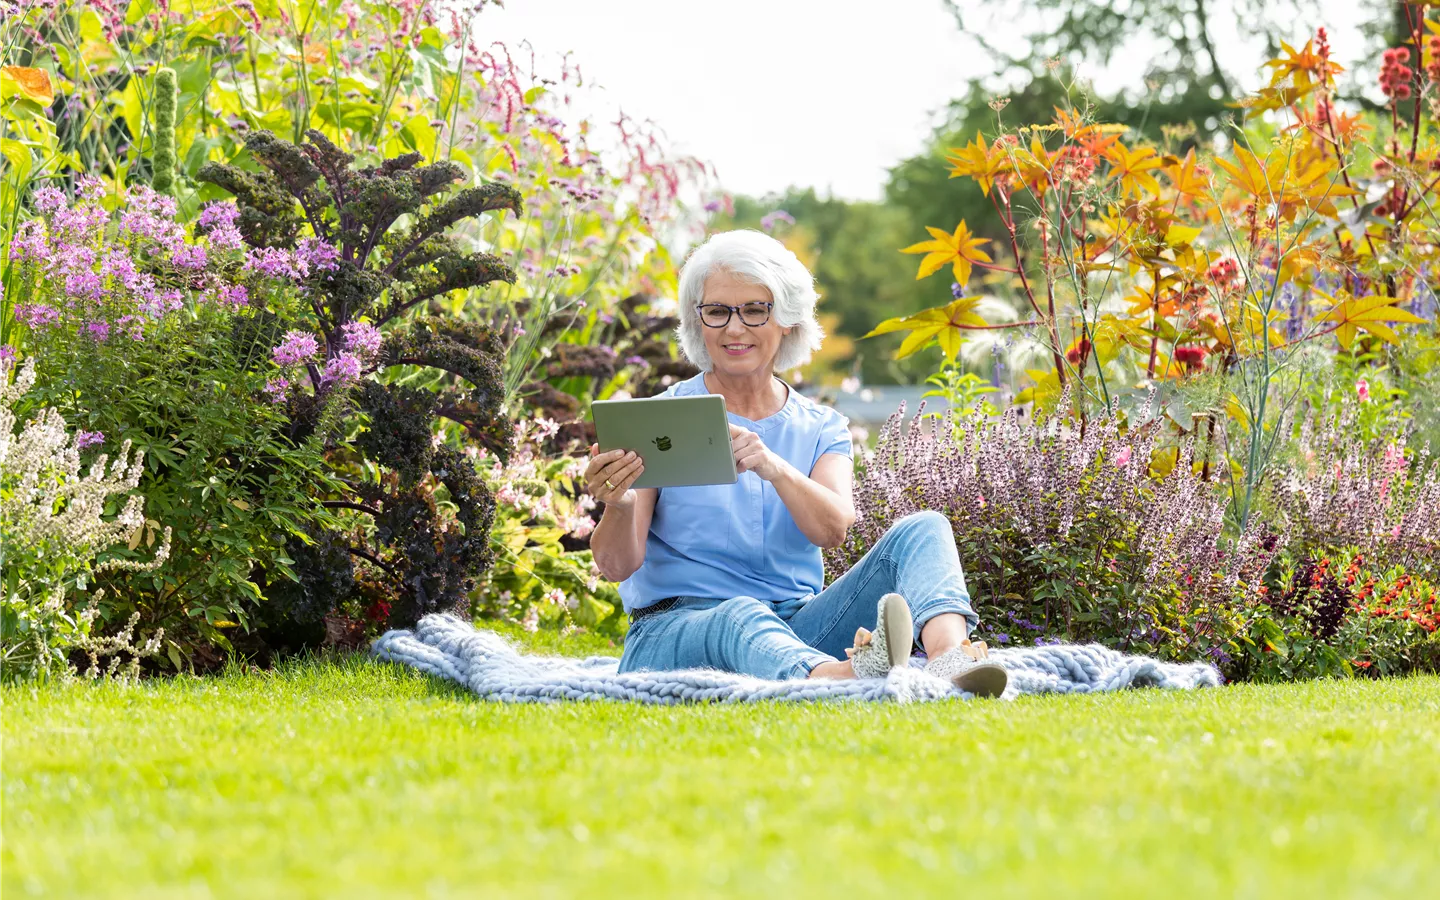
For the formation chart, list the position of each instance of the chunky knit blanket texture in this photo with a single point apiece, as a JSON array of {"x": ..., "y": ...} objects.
[{"x": 492, "y": 667}]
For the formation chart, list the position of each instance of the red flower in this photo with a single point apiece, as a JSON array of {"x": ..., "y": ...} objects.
[
  {"x": 1224, "y": 271},
  {"x": 378, "y": 611},
  {"x": 1395, "y": 75},
  {"x": 1191, "y": 356}
]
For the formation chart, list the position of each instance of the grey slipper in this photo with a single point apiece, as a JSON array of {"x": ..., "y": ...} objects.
[
  {"x": 891, "y": 641},
  {"x": 974, "y": 676}
]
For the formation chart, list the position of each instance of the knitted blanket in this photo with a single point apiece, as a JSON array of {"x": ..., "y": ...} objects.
[{"x": 493, "y": 668}]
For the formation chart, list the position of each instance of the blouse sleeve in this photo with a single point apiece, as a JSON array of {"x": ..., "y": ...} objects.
[{"x": 835, "y": 436}]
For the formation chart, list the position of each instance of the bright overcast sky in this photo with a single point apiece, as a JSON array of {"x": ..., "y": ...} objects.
[{"x": 820, "y": 93}]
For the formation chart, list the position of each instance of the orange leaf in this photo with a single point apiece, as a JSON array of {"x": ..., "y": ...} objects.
[{"x": 33, "y": 83}]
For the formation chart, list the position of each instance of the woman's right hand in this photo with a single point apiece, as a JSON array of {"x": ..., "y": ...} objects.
[{"x": 609, "y": 475}]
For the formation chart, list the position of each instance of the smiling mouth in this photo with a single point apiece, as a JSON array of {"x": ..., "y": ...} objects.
[{"x": 737, "y": 348}]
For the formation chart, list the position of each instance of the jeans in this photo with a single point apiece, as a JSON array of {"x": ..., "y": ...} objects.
[{"x": 780, "y": 640}]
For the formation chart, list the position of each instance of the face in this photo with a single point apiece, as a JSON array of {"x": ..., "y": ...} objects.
[{"x": 739, "y": 349}]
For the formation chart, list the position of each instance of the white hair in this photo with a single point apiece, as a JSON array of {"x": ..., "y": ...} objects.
[{"x": 758, "y": 259}]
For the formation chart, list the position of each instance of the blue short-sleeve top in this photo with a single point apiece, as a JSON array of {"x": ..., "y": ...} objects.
[{"x": 732, "y": 540}]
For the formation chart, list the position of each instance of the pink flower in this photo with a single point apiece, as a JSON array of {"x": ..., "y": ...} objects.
[
  {"x": 232, "y": 295},
  {"x": 88, "y": 187},
  {"x": 362, "y": 339},
  {"x": 342, "y": 369},
  {"x": 190, "y": 256},
  {"x": 225, "y": 237},
  {"x": 48, "y": 199},
  {"x": 313, "y": 254},
  {"x": 277, "y": 388},
  {"x": 218, "y": 215},
  {"x": 1122, "y": 459},
  {"x": 297, "y": 347},
  {"x": 507, "y": 496},
  {"x": 274, "y": 262},
  {"x": 85, "y": 439},
  {"x": 1362, "y": 390},
  {"x": 37, "y": 315}
]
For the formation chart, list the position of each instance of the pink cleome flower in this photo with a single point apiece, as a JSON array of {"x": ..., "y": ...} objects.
[
  {"x": 362, "y": 339},
  {"x": 297, "y": 347},
  {"x": 342, "y": 369}
]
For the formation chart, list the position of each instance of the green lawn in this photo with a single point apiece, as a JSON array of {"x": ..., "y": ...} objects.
[{"x": 354, "y": 778}]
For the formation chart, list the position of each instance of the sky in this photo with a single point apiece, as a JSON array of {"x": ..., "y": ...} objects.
[{"x": 815, "y": 93}]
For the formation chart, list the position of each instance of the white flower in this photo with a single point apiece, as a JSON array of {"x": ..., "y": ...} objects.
[{"x": 52, "y": 525}]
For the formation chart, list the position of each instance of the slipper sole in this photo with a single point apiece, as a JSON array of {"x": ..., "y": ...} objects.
[
  {"x": 985, "y": 680},
  {"x": 899, "y": 629}
]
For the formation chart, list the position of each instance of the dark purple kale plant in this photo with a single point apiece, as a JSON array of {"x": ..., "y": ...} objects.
[{"x": 370, "y": 363}]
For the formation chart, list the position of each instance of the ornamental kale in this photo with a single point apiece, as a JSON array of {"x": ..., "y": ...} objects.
[{"x": 371, "y": 249}]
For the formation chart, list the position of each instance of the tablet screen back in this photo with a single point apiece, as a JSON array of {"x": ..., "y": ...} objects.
[{"x": 683, "y": 440}]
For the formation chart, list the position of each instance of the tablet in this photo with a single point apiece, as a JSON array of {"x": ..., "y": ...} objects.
[{"x": 682, "y": 440}]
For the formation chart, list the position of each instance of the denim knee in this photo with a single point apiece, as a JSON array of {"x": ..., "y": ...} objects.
[{"x": 925, "y": 523}]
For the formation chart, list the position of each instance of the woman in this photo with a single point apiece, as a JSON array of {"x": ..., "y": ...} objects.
[{"x": 729, "y": 576}]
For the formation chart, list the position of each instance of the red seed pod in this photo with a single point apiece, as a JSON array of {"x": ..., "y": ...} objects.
[{"x": 1402, "y": 92}]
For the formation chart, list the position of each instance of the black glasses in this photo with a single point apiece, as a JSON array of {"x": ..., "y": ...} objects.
[{"x": 717, "y": 315}]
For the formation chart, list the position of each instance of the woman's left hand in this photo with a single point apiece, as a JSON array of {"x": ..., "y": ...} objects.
[{"x": 751, "y": 454}]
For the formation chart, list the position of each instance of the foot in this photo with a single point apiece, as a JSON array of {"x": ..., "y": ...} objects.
[
  {"x": 876, "y": 653},
  {"x": 980, "y": 677}
]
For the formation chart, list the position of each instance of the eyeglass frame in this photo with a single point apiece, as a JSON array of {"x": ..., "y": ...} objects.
[{"x": 733, "y": 311}]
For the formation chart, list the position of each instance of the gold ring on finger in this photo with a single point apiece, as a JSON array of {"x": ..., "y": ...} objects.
[{"x": 609, "y": 485}]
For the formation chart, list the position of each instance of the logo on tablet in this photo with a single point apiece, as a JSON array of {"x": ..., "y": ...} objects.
[{"x": 662, "y": 442}]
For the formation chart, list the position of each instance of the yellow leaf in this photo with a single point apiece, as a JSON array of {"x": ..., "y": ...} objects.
[
  {"x": 1365, "y": 313},
  {"x": 976, "y": 161},
  {"x": 1303, "y": 69},
  {"x": 33, "y": 83},
  {"x": 1133, "y": 168},
  {"x": 1177, "y": 235},
  {"x": 1183, "y": 176},
  {"x": 943, "y": 322},
  {"x": 960, "y": 249},
  {"x": 240, "y": 504}
]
